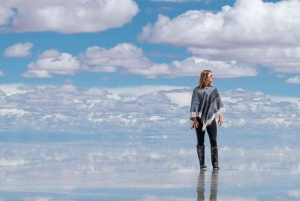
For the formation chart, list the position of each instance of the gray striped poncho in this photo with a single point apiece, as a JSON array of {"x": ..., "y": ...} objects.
[{"x": 206, "y": 104}]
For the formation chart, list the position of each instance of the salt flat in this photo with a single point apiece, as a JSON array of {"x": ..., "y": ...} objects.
[{"x": 148, "y": 167}]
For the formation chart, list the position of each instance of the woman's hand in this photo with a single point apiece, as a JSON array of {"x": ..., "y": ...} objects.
[
  {"x": 196, "y": 124},
  {"x": 220, "y": 121}
]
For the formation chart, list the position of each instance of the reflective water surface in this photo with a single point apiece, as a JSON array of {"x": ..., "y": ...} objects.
[
  {"x": 149, "y": 167},
  {"x": 213, "y": 186}
]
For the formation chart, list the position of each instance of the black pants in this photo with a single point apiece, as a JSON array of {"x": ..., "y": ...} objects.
[{"x": 211, "y": 130}]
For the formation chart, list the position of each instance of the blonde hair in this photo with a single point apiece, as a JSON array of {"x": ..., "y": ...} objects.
[{"x": 202, "y": 79}]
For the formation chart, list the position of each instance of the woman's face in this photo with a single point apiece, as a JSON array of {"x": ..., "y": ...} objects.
[{"x": 209, "y": 78}]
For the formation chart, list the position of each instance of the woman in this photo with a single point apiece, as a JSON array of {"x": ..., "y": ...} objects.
[{"x": 206, "y": 107}]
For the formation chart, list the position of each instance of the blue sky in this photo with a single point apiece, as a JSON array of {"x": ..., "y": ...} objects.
[
  {"x": 75, "y": 42},
  {"x": 78, "y": 65},
  {"x": 92, "y": 61}
]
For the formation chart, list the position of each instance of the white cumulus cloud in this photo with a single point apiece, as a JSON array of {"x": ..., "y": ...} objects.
[
  {"x": 18, "y": 50},
  {"x": 52, "y": 62},
  {"x": 126, "y": 58},
  {"x": 221, "y": 69},
  {"x": 293, "y": 80},
  {"x": 256, "y": 32},
  {"x": 66, "y": 17},
  {"x": 176, "y": 1},
  {"x": 5, "y": 15},
  {"x": 37, "y": 199},
  {"x": 126, "y": 55},
  {"x": 155, "y": 108},
  {"x": 37, "y": 73}
]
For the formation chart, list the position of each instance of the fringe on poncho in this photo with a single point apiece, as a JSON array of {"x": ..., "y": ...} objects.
[{"x": 206, "y": 104}]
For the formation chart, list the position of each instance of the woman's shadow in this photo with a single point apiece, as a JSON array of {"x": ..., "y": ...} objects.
[{"x": 213, "y": 186}]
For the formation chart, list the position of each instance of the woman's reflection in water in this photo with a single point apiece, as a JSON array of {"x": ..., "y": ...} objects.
[{"x": 213, "y": 187}]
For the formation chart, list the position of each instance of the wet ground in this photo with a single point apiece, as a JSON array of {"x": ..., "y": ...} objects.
[
  {"x": 148, "y": 167},
  {"x": 209, "y": 185}
]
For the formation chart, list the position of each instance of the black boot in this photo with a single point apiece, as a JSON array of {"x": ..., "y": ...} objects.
[
  {"x": 214, "y": 157},
  {"x": 201, "y": 156}
]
